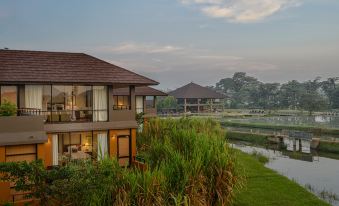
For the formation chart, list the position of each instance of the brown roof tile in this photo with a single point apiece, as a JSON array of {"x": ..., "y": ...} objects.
[
  {"x": 140, "y": 91},
  {"x": 195, "y": 91},
  {"x": 61, "y": 67}
]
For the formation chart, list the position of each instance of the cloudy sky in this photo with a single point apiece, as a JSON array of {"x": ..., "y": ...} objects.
[{"x": 179, "y": 41}]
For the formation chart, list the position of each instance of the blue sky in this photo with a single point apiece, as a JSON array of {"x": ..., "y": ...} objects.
[{"x": 179, "y": 41}]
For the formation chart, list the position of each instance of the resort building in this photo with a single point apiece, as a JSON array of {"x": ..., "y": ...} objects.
[
  {"x": 195, "y": 99},
  {"x": 67, "y": 109},
  {"x": 145, "y": 99}
]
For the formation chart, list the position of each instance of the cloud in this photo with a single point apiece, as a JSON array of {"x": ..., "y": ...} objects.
[
  {"x": 150, "y": 48},
  {"x": 241, "y": 11}
]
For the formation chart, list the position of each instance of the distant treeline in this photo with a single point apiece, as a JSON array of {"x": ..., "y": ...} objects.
[{"x": 248, "y": 92}]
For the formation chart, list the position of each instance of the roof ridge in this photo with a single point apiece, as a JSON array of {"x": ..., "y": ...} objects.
[{"x": 41, "y": 51}]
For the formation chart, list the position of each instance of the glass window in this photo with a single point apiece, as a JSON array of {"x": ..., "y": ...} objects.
[
  {"x": 100, "y": 103},
  {"x": 139, "y": 104},
  {"x": 121, "y": 102},
  {"x": 47, "y": 101},
  {"x": 81, "y": 146},
  {"x": 65, "y": 103},
  {"x": 150, "y": 102},
  {"x": 61, "y": 103},
  {"x": 9, "y": 93},
  {"x": 82, "y": 103},
  {"x": 74, "y": 146}
]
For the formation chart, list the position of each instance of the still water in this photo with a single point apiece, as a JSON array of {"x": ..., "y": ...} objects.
[
  {"x": 321, "y": 173},
  {"x": 317, "y": 121}
]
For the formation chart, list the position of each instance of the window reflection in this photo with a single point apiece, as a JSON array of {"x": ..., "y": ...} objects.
[
  {"x": 60, "y": 103},
  {"x": 121, "y": 102},
  {"x": 8, "y": 93},
  {"x": 81, "y": 146}
]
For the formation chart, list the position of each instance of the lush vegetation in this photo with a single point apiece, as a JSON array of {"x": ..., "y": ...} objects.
[
  {"x": 266, "y": 187},
  {"x": 256, "y": 139},
  {"x": 260, "y": 157},
  {"x": 330, "y": 147},
  {"x": 189, "y": 164},
  {"x": 248, "y": 92},
  {"x": 167, "y": 103},
  {"x": 7, "y": 109},
  {"x": 194, "y": 155}
]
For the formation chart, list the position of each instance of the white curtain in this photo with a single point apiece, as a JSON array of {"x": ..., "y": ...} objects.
[
  {"x": 55, "y": 153},
  {"x": 139, "y": 104},
  {"x": 102, "y": 145},
  {"x": 100, "y": 103},
  {"x": 33, "y": 96}
]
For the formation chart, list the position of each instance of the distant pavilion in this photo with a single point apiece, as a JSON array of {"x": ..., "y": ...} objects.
[{"x": 195, "y": 98}]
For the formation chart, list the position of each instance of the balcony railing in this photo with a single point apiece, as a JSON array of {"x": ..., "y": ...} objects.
[
  {"x": 121, "y": 107},
  {"x": 60, "y": 115}
]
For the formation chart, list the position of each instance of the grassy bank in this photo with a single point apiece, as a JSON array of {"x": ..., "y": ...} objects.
[
  {"x": 330, "y": 147},
  {"x": 266, "y": 187},
  {"x": 256, "y": 139},
  {"x": 314, "y": 130}
]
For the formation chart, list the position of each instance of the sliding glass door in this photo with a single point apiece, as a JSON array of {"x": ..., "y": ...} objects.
[{"x": 66, "y": 103}]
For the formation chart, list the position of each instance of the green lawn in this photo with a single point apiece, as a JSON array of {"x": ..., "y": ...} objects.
[{"x": 266, "y": 187}]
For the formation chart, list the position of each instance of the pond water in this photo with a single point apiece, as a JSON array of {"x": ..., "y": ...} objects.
[
  {"x": 317, "y": 121},
  {"x": 321, "y": 174}
]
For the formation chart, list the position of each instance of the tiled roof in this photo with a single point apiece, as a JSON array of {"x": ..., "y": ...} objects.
[
  {"x": 195, "y": 91},
  {"x": 140, "y": 91},
  {"x": 61, "y": 67}
]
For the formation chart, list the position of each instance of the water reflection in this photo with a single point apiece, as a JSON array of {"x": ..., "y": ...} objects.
[{"x": 320, "y": 172}]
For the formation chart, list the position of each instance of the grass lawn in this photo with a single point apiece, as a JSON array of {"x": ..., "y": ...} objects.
[{"x": 266, "y": 187}]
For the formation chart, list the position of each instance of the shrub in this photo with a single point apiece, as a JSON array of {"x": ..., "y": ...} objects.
[
  {"x": 8, "y": 109},
  {"x": 260, "y": 157}
]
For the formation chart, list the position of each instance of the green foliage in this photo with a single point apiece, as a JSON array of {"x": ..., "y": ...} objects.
[
  {"x": 8, "y": 109},
  {"x": 140, "y": 118},
  {"x": 194, "y": 158},
  {"x": 247, "y": 92},
  {"x": 329, "y": 147},
  {"x": 260, "y": 157},
  {"x": 168, "y": 102},
  {"x": 312, "y": 102},
  {"x": 189, "y": 164}
]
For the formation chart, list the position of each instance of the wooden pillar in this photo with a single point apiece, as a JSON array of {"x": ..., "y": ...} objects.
[
  {"x": 45, "y": 151},
  {"x": 198, "y": 105},
  {"x": 185, "y": 106},
  {"x": 223, "y": 105},
  {"x": 110, "y": 103},
  {"x": 113, "y": 144},
  {"x": 211, "y": 105},
  {"x": 2, "y": 154},
  {"x": 5, "y": 191},
  {"x": 134, "y": 143},
  {"x": 132, "y": 96},
  {"x": 155, "y": 104},
  {"x": 144, "y": 104}
]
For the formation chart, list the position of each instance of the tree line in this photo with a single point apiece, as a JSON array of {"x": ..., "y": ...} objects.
[{"x": 248, "y": 92}]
